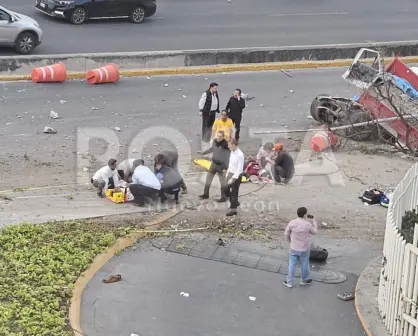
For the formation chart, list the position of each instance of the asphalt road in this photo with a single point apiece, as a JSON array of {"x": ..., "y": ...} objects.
[
  {"x": 135, "y": 105},
  {"x": 202, "y": 24}
]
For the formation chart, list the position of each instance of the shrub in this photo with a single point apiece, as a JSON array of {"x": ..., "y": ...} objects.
[{"x": 408, "y": 225}]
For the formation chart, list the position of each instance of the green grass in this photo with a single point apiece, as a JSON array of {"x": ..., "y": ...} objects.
[{"x": 39, "y": 265}]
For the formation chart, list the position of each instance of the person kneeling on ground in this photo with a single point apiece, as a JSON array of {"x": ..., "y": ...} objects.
[
  {"x": 169, "y": 178},
  {"x": 284, "y": 167},
  {"x": 126, "y": 170},
  {"x": 220, "y": 161},
  {"x": 144, "y": 183},
  {"x": 171, "y": 159},
  {"x": 265, "y": 155},
  {"x": 105, "y": 178}
]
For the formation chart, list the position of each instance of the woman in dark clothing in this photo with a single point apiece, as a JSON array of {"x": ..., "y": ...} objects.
[{"x": 234, "y": 107}]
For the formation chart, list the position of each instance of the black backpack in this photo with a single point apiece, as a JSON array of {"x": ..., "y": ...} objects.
[{"x": 372, "y": 196}]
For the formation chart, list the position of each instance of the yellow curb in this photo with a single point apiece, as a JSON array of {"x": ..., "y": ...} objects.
[
  {"x": 217, "y": 69},
  {"x": 81, "y": 283},
  {"x": 360, "y": 317}
]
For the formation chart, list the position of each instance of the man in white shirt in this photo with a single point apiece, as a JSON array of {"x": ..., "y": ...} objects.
[
  {"x": 144, "y": 183},
  {"x": 235, "y": 170},
  {"x": 125, "y": 170},
  {"x": 208, "y": 107},
  {"x": 106, "y": 177}
]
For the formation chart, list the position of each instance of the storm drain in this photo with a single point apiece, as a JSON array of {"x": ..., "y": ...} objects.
[{"x": 212, "y": 251}]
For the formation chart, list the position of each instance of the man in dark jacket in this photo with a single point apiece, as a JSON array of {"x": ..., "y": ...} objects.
[
  {"x": 208, "y": 107},
  {"x": 220, "y": 160},
  {"x": 171, "y": 159},
  {"x": 234, "y": 107},
  {"x": 169, "y": 178},
  {"x": 284, "y": 167}
]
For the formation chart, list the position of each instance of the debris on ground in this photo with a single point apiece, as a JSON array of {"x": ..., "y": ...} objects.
[
  {"x": 49, "y": 130},
  {"x": 112, "y": 279},
  {"x": 54, "y": 115},
  {"x": 220, "y": 242},
  {"x": 346, "y": 296},
  {"x": 286, "y": 73}
]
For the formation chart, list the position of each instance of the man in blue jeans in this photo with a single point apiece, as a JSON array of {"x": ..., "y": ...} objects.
[{"x": 298, "y": 232}]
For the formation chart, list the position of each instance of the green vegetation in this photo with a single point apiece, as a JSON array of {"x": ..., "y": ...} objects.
[
  {"x": 408, "y": 225},
  {"x": 39, "y": 265}
]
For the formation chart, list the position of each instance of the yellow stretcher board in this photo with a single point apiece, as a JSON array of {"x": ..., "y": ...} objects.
[
  {"x": 205, "y": 164},
  {"x": 118, "y": 197}
]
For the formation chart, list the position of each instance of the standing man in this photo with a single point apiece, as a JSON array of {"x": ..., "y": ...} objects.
[
  {"x": 234, "y": 107},
  {"x": 224, "y": 124},
  {"x": 298, "y": 232},
  {"x": 106, "y": 177},
  {"x": 144, "y": 183},
  {"x": 235, "y": 170},
  {"x": 220, "y": 161},
  {"x": 208, "y": 107},
  {"x": 284, "y": 167}
]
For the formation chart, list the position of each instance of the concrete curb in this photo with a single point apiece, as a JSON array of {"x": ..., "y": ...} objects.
[
  {"x": 215, "y": 69},
  {"x": 365, "y": 301},
  {"x": 81, "y": 283}
]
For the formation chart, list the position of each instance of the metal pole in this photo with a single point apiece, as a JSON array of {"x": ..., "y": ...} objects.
[{"x": 376, "y": 121}]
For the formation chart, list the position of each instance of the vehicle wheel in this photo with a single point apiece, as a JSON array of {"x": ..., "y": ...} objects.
[
  {"x": 360, "y": 133},
  {"x": 322, "y": 115},
  {"x": 137, "y": 15},
  {"x": 78, "y": 16},
  {"x": 25, "y": 43}
]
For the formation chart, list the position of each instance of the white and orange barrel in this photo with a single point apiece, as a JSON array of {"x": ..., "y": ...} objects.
[
  {"x": 322, "y": 140},
  {"x": 106, "y": 74},
  {"x": 56, "y": 73}
]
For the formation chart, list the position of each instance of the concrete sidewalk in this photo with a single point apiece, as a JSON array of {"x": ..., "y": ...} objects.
[{"x": 166, "y": 293}]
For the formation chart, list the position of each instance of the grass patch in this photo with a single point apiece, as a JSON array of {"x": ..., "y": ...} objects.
[{"x": 39, "y": 265}]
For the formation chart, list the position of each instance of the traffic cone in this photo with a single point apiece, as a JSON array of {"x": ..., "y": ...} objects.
[
  {"x": 56, "y": 73},
  {"x": 106, "y": 74}
]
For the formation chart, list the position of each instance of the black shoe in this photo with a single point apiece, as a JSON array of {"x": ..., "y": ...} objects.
[
  {"x": 140, "y": 204},
  {"x": 100, "y": 193},
  {"x": 221, "y": 200},
  {"x": 204, "y": 196},
  {"x": 184, "y": 191},
  {"x": 231, "y": 213},
  {"x": 306, "y": 282},
  {"x": 238, "y": 204}
]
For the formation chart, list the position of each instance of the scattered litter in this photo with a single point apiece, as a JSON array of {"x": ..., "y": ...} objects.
[
  {"x": 148, "y": 77},
  {"x": 291, "y": 91},
  {"x": 346, "y": 296},
  {"x": 184, "y": 96},
  {"x": 179, "y": 89},
  {"x": 85, "y": 169},
  {"x": 62, "y": 101},
  {"x": 261, "y": 105},
  {"x": 20, "y": 91},
  {"x": 93, "y": 109},
  {"x": 132, "y": 334},
  {"x": 324, "y": 224},
  {"x": 223, "y": 73},
  {"x": 252, "y": 298},
  {"x": 220, "y": 242},
  {"x": 117, "y": 129},
  {"x": 184, "y": 294},
  {"x": 54, "y": 115},
  {"x": 112, "y": 278},
  {"x": 310, "y": 117},
  {"x": 49, "y": 130},
  {"x": 286, "y": 73},
  {"x": 165, "y": 84},
  {"x": 229, "y": 1}
]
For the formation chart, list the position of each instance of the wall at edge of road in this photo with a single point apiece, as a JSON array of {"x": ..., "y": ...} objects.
[{"x": 22, "y": 65}]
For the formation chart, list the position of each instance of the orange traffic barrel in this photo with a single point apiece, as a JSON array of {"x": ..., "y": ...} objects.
[
  {"x": 323, "y": 140},
  {"x": 56, "y": 73},
  {"x": 106, "y": 74}
]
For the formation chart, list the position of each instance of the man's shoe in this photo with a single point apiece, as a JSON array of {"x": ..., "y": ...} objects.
[
  {"x": 231, "y": 213},
  {"x": 306, "y": 282},
  {"x": 100, "y": 194},
  {"x": 184, "y": 191},
  {"x": 221, "y": 200},
  {"x": 203, "y": 196},
  {"x": 287, "y": 284},
  {"x": 238, "y": 204}
]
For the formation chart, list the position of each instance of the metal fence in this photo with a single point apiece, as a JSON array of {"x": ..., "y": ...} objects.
[{"x": 398, "y": 287}]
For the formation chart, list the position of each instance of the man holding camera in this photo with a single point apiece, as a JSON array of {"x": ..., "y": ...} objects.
[{"x": 298, "y": 232}]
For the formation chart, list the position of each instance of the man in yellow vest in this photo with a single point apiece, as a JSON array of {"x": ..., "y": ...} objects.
[{"x": 224, "y": 124}]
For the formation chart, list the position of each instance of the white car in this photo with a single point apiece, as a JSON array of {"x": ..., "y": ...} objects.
[{"x": 19, "y": 31}]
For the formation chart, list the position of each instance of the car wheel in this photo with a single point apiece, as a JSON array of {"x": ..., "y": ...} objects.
[
  {"x": 78, "y": 16},
  {"x": 360, "y": 133},
  {"x": 320, "y": 114},
  {"x": 25, "y": 43},
  {"x": 137, "y": 15}
]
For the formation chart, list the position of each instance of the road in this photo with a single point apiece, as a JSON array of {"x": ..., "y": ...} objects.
[
  {"x": 134, "y": 105},
  {"x": 201, "y": 24}
]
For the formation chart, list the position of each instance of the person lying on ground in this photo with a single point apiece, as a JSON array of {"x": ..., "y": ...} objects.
[
  {"x": 265, "y": 155},
  {"x": 169, "y": 178},
  {"x": 223, "y": 124},
  {"x": 171, "y": 159},
  {"x": 219, "y": 165},
  {"x": 284, "y": 167},
  {"x": 125, "y": 170},
  {"x": 105, "y": 178},
  {"x": 144, "y": 183}
]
